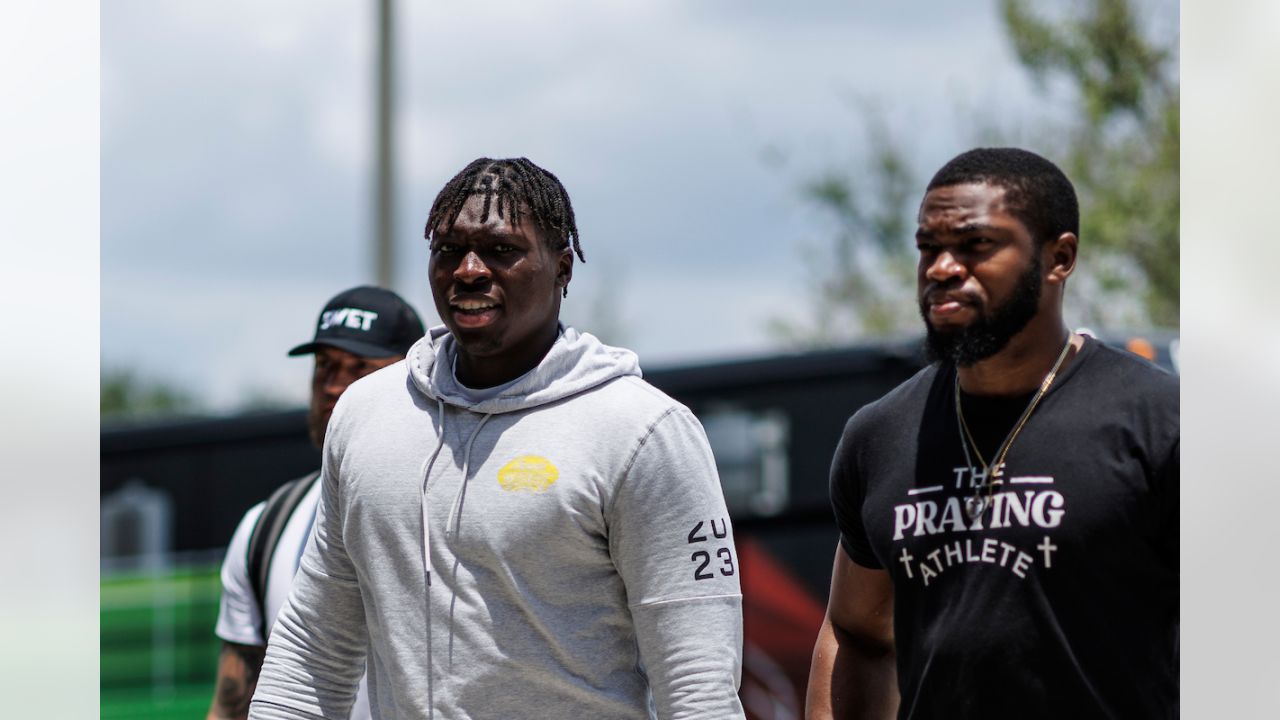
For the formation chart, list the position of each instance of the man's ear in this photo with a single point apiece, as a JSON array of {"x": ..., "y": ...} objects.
[
  {"x": 1059, "y": 256},
  {"x": 564, "y": 268}
]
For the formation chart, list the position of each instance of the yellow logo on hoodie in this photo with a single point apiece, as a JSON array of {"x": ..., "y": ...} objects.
[{"x": 529, "y": 473}]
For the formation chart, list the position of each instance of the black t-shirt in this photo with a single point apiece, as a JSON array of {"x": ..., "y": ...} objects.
[{"x": 1061, "y": 599}]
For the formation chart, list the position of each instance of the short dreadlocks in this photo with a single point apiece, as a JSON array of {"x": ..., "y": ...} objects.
[{"x": 515, "y": 184}]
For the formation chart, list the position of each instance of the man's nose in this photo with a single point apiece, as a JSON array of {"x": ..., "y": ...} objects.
[
  {"x": 471, "y": 269},
  {"x": 944, "y": 266},
  {"x": 337, "y": 384},
  {"x": 338, "y": 381}
]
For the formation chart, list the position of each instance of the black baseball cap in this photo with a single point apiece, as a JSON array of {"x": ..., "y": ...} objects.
[{"x": 367, "y": 321}]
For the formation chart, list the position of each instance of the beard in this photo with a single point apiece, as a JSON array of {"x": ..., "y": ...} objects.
[
  {"x": 992, "y": 330},
  {"x": 317, "y": 423}
]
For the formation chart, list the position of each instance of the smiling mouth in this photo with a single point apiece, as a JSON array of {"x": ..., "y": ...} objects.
[
  {"x": 473, "y": 306},
  {"x": 474, "y": 313}
]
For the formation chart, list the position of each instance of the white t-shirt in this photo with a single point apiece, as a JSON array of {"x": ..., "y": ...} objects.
[{"x": 238, "y": 611}]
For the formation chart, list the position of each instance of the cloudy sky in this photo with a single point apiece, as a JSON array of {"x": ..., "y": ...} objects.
[{"x": 237, "y": 158}]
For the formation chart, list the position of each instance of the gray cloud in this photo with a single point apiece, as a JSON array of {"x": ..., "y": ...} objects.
[{"x": 235, "y": 154}]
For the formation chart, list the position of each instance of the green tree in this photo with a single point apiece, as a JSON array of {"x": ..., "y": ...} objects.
[
  {"x": 125, "y": 396},
  {"x": 1116, "y": 137},
  {"x": 1121, "y": 151},
  {"x": 867, "y": 276}
]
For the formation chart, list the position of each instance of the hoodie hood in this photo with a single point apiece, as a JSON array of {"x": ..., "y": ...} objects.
[{"x": 576, "y": 362}]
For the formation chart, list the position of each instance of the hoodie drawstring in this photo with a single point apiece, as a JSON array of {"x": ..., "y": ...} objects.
[
  {"x": 456, "y": 511},
  {"x": 427, "y": 465}
]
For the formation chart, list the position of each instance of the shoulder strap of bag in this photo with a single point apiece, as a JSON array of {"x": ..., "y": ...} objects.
[{"x": 266, "y": 535}]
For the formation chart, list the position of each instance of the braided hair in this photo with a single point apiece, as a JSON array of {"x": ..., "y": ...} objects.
[{"x": 509, "y": 187}]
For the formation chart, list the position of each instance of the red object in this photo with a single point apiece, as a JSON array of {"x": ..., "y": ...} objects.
[{"x": 780, "y": 624}]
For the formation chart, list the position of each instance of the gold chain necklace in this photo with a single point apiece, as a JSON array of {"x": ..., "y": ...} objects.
[{"x": 981, "y": 499}]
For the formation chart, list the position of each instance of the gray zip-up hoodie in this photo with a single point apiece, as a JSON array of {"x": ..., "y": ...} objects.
[{"x": 561, "y": 550}]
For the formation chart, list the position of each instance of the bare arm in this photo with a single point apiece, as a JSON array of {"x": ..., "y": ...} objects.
[
  {"x": 238, "y": 668},
  {"x": 853, "y": 674}
]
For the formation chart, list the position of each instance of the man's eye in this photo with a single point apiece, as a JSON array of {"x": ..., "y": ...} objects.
[
  {"x": 978, "y": 242},
  {"x": 503, "y": 248},
  {"x": 444, "y": 247}
]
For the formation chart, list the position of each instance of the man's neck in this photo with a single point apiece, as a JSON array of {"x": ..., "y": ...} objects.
[
  {"x": 490, "y": 371},
  {"x": 1021, "y": 366}
]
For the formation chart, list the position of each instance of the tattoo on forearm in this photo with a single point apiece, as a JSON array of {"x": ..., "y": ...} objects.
[{"x": 238, "y": 668}]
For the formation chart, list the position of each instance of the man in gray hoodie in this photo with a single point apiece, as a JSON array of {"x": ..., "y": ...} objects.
[{"x": 512, "y": 523}]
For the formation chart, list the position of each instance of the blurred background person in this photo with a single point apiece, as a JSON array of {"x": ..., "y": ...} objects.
[{"x": 359, "y": 331}]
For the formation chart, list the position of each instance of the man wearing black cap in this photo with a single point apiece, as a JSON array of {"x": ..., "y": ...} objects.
[{"x": 360, "y": 330}]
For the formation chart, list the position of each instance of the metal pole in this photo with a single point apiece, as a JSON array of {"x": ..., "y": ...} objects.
[{"x": 384, "y": 184}]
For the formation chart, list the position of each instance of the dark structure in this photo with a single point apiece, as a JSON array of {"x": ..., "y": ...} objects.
[{"x": 773, "y": 423}]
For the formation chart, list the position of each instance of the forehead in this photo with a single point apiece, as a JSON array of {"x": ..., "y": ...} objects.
[
  {"x": 970, "y": 204},
  {"x": 333, "y": 354},
  {"x": 472, "y": 218}
]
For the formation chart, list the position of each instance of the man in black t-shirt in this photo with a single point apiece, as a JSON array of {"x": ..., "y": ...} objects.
[{"x": 1009, "y": 516}]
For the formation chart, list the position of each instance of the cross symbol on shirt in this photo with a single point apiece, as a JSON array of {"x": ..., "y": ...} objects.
[
  {"x": 1048, "y": 549},
  {"x": 906, "y": 559}
]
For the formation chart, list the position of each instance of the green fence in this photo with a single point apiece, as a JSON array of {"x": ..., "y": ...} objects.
[{"x": 158, "y": 651}]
